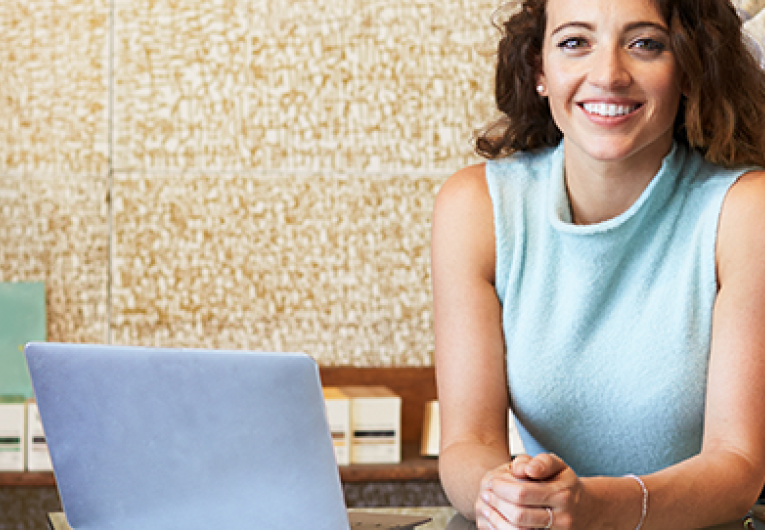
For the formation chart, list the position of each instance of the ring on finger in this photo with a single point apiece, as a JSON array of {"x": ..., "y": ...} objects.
[{"x": 552, "y": 518}]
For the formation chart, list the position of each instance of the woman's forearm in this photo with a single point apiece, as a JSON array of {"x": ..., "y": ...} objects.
[
  {"x": 706, "y": 490},
  {"x": 462, "y": 466},
  {"x": 713, "y": 488}
]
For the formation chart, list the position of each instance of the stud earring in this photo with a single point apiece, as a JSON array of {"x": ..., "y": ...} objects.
[{"x": 540, "y": 89}]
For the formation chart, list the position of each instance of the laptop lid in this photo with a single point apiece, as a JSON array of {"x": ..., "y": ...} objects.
[{"x": 195, "y": 439}]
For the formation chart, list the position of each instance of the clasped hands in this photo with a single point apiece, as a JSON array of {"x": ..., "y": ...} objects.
[{"x": 527, "y": 493}]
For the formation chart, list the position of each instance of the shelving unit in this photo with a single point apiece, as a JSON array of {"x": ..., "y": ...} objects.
[{"x": 416, "y": 386}]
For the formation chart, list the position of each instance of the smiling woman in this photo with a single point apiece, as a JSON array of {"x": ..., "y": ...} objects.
[{"x": 602, "y": 274}]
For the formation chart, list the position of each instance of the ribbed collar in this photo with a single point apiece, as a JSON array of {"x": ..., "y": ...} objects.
[{"x": 656, "y": 194}]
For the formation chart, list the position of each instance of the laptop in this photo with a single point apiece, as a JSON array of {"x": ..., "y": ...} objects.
[{"x": 156, "y": 439}]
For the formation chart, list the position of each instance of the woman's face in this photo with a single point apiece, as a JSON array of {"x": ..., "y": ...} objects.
[{"x": 610, "y": 77}]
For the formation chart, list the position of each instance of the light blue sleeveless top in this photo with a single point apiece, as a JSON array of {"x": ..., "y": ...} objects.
[{"x": 607, "y": 327}]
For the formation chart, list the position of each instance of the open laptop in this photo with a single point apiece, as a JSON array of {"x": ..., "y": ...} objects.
[{"x": 154, "y": 439}]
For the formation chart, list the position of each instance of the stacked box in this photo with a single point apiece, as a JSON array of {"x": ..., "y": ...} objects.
[
  {"x": 431, "y": 430},
  {"x": 12, "y": 433},
  {"x": 338, "y": 407},
  {"x": 375, "y": 425},
  {"x": 38, "y": 457}
]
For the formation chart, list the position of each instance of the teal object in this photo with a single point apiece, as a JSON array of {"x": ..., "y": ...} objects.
[{"x": 22, "y": 319}]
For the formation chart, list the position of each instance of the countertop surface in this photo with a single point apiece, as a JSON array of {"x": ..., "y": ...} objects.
[
  {"x": 442, "y": 518},
  {"x": 446, "y": 518}
]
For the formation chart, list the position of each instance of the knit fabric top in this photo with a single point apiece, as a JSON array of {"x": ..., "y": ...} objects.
[{"x": 607, "y": 326}]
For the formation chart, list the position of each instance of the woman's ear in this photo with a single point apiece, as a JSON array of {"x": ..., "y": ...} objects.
[{"x": 541, "y": 86}]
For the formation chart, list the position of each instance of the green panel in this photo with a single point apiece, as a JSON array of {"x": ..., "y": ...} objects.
[{"x": 22, "y": 319}]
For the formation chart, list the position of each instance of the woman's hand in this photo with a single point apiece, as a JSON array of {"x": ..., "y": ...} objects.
[{"x": 539, "y": 492}]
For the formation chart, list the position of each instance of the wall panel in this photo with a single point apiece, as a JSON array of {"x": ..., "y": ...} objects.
[
  {"x": 354, "y": 84},
  {"x": 54, "y": 130},
  {"x": 54, "y": 87},
  {"x": 236, "y": 173},
  {"x": 334, "y": 266}
]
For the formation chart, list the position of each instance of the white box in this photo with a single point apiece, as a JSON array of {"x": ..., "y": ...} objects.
[
  {"x": 375, "y": 425},
  {"x": 12, "y": 433},
  {"x": 38, "y": 456},
  {"x": 431, "y": 430},
  {"x": 338, "y": 407}
]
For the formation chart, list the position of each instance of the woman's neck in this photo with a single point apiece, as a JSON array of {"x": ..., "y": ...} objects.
[{"x": 599, "y": 191}]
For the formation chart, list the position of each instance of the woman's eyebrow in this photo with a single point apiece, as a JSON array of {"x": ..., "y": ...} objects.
[
  {"x": 632, "y": 26},
  {"x": 646, "y": 25},
  {"x": 567, "y": 25}
]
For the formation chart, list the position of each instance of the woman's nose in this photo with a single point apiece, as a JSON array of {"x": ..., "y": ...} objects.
[{"x": 610, "y": 69}]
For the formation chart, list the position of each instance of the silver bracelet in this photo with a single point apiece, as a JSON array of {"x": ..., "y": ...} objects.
[{"x": 645, "y": 499}]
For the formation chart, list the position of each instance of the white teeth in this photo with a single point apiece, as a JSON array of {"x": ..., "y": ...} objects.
[{"x": 604, "y": 109}]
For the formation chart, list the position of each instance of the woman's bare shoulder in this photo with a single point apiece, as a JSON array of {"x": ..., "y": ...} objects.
[
  {"x": 741, "y": 237},
  {"x": 467, "y": 184},
  {"x": 746, "y": 198},
  {"x": 463, "y": 224}
]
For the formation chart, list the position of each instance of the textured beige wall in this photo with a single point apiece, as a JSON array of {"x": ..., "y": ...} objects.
[{"x": 236, "y": 174}]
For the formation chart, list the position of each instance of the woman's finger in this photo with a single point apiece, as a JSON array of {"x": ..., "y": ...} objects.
[
  {"x": 544, "y": 466},
  {"x": 518, "y": 467}
]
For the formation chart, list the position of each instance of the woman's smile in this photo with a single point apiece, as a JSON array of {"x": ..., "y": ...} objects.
[{"x": 609, "y": 110}]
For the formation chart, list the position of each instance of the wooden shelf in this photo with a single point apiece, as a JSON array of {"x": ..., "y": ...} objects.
[
  {"x": 26, "y": 479},
  {"x": 413, "y": 468},
  {"x": 416, "y": 386}
]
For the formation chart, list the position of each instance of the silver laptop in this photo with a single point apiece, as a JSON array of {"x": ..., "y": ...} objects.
[{"x": 146, "y": 438}]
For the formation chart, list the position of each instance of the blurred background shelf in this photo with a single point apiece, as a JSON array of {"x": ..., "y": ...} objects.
[
  {"x": 26, "y": 479},
  {"x": 413, "y": 467},
  {"x": 415, "y": 385}
]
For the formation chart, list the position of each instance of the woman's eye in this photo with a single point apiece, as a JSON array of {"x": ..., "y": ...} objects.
[
  {"x": 650, "y": 45},
  {"x": 573, "y": 43}
]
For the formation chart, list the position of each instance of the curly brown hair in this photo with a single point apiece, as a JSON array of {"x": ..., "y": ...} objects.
[{"x": 722, "y": 112}]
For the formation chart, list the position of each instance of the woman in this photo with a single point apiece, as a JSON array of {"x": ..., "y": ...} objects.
[{"x": 603, "y": 274}]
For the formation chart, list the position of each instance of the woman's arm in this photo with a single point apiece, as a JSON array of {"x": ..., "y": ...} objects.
[
  {"x": 730, "y": 471},
  {"x": 470, "y": 363}
]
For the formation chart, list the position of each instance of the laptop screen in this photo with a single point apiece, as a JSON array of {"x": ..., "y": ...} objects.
[{"x": 161, "y": 438}]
